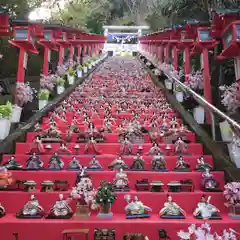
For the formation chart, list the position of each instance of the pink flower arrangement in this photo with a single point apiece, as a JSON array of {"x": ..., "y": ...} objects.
[
  {"x": 231, "y": 96},
  {"x": 48, "y": 82},
  {"x": 204, "y": 232},
  {"x": 232, "y": 193},
  {"x": 24, "y": 94},
  {"x": 195, "y": 80},
  {"x": 61, "y": 71}
]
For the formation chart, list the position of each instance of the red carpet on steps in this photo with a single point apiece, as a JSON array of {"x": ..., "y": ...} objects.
[{"x": 102, "y": 83}]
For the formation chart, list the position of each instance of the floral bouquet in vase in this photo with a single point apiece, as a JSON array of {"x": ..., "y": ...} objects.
[
  {"x": 43, "y": 97},
  {"x": 79, "y": 71},
  {"x": 5, "y": 117},
  {"x": 232, "y": 195},
  {"x": 60, "y": 82},
  {"x": 71, "y": 75},
  {"x": 23, "y": 94},
  {"x": 104, "y": 198},
  {"x": 48, "y": 82},
  {"x": 84, "y": 193}
]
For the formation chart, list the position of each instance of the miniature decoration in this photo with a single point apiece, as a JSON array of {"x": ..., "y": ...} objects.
[
  {"x": 120, "y": 182},
  {"x": 63, "y": 150},
  {"x": 118, "y": 163},
  {"x": 36, "y": 146},
  {"x": 138, "y": 163},
  {"x": 202, "y": 165},
  {"x": 204, "y": 232},
  {"x": 135, "y": 236},
  {"x": 104, "y": 234},
  {"x": 182, "y": 165},
  {"x": 205, "y": 210},
  {"x": 159, "y": 163},
  {"x": 31, "y": 209},
  {"x": 84, "y": 193},
  {"x": 61, "y": 185},
  {"x": 61, "y": 209},
  {"x": 180, "y": 147},
  {"x": 104, "y": 198},
  {"x": 55, "y": 162},
  {"x": 135, "y": 208},
  {"x": 171, "y": 210},
  {"x": 12, "y": 164},
  {"x": 232, "y": 195},
  {"x": 47, "y": 186},
  {"x": 209, "y": 184},
  {"x": 94, "y": 165},
  {"x": 157, "y": 186},
  {"x": 142, "y": 185},
  {"x": 2, "y": 211},
  {"x": 174, "y": 186},
  {"x": 29, "y": 186},
  {"x": 34, "y": 162},
  {"x": 6, "y": 179},
  {"x": 74, "y": 165},
  {"x": 155, "y": 150},
  {"x": 126, "y": 147},
  {"x": 91, "y": 147}
]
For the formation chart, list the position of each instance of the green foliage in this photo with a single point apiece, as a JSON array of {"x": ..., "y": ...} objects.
[
  {"x": 105, "y": 194},
  {"x": 71, "y": 72},
  {"x": 44, "y": 94},
  {"x": 6, "y": 111},
  {"x": 60, "y": 81}
]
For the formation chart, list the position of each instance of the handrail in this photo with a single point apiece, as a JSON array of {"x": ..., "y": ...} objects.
[
  {"x": 201, "y": 100},
  {"x": 204, "y": 102}
]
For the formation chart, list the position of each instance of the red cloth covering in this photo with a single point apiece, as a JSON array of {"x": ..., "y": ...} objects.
[
  {"x": 113, "y": 148},
  {"x": 105, "y": 160}
]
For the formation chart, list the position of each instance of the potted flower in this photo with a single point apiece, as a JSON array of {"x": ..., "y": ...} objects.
[
  {"x": 23, "y": 94},
  {"x": 43, "y": 97},
  {"x": 178, "y": 92},
  {"x": 85, "y": 67},
  {"x": 104, "y": 199},
  {"x": 84, "y": 193},
  {"x": 48, "y": 82},
  {"x": 60, "y": 82},
  {"x": 195, "y": 82},
  {"x": 5, "y": 117},
  {"x": 71, "y": 75},
  {"x": 231, "y": 101},
  {"x": 232, "y": 195},
  {"x": 79, "y": 71},
  {"x": 89, "y": 64},
  {"x": 166, "y": 68}
]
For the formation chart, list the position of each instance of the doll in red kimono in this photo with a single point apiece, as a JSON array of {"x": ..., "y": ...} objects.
[
  {"x": 126, "y": 147},
  {"x": 37, "y": 146},
  {"x": 91, "y": 147},
  {"x": 63, "y": 150}
]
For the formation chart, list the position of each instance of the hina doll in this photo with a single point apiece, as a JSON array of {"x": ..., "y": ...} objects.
[
  {"x": 182, "y": 165},
  {"x": 36, "y": 146},
  {"x": 91, "y": 147},
  {"x": 51, "y": 134},
  {"x": 135, "y": 208},
  {"x": 12, "y": 164},
  {"x": 61, "y": 209},
  {"x": 202, "y": 165},
  {"x": 138, "y": 163},
  {"x": 126, "y": 147},
  {"x": 171, "y": 210},
  {"x": 154, "y": 149},
  {"x": 2, "y": 211},
  {"x": 34, "y": 162},
  {"x": 31, "y": 209},
  {"x": 205, "y": 210},
  {"x": 159, "y": 163},
  {"x": 6, "y": 178},
  {"x": 117, "y": 164},
  {"x": 120, "y": 131},
  {"x": 180, "y": 147},
  {"x": 120, "y": 182},
  {"x": 63, "y": 150},
  {"x": 55, "y": 162},
  {"x": 94, "y": 165},
  {"x": 108, "y": 126},
  {"x": 74, "y": 164},
  {"x": 209, "y": 184}
]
